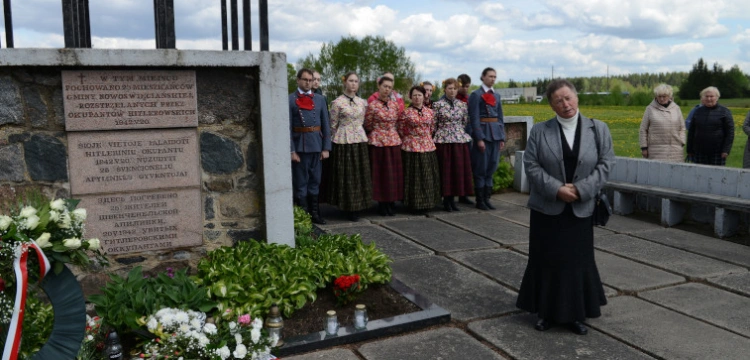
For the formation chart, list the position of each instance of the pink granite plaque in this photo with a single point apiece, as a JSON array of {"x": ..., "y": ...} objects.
[
  {"x": 133, "y": 99},
  {"x": 144, "y": 221},
  {"x": 137, "y": 160}
]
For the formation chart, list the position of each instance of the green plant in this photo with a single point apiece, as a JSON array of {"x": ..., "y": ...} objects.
[
  {"x": 125, "y": 299},
  {"x": 503, "y": 176},
  {"x": 37, "y": 325},
  {"x": 303, "y": 227},
  {"x": 248, "y": 278}
]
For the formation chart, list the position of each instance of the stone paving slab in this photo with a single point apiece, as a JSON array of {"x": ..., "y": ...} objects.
[
  {"x": 600, "y": 231},
  {"x": 334, "y": 354},
  {"x": 444, "y": 343},
  {"x": 628, "y": 275},
  {"x": 393, "y": 245},
  {"x": 505, "y": 266},
  {"x": 667, "y": 334},
  {"x": 715, "y": 306},
  {"x": 516, "y": 336},
  {"x": 704, "y": 245},
  {"x": 629, "y": 225},
  {"x": 439, "y": 236},
  {"x": 491, "y": 227},
  {"x": 512, "y": 197},
  {"x": 736, "y": 282},
  {"x": 664, "y": 257},
  {"x": 464, "y": 293},
  {"x": 514, "y": 213}
]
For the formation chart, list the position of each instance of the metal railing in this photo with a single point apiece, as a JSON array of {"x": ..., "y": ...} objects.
[{"x": 77, "y": 24}]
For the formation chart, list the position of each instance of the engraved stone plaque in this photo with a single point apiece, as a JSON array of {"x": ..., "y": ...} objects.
[
  {"x": 133, "y": 99},
  {"x": 106, "y": 161},
  {"x": 144, "y": 221}
]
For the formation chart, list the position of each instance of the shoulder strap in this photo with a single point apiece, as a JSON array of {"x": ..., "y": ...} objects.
[{"x": 596, "y": 137}]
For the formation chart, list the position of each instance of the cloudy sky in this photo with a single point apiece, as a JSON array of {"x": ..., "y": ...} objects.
[{"x": 522, "y": 39}]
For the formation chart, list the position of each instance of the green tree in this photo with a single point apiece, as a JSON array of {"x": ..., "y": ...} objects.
[
  {"x": 370, "y": 57},
  {"x": 291, "y": 77},
  {"x": 735, "y": 84},
  {"x": 698, "y": 79}
]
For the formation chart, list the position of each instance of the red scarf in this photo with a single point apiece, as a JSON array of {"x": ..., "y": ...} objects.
[
  {"x": 305, "y": 101},
  {"x": 489, "y": 98}
]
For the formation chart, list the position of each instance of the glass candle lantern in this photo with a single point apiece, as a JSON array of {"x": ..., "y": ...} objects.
[
  {"x": 360, "y": 317},
  {"x": 332, "y": 323},
  {"x": 274, "y": 324}
]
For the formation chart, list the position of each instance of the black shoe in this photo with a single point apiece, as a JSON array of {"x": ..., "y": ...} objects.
[
  {"x": 447, "y": 204},
  {"x": 542, "y": 325},
  {"x": 465, "y": 200},
  {"x": 352, "y": 215},
  {"x": 487, "y": 195},
  {"x": 479, "y": 193},
  {"x": 452, "y": 203},
  {"x": 578, "y": 328},
  {"x": 391, "y": 208},
  {"x": 383, "y": 209},
  {"x": 312, "y": 201}
]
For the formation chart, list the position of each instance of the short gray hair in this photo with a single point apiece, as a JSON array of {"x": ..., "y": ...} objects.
[
  {"x": 663, "y": 89},
  {"x": 711, "y": 89}
]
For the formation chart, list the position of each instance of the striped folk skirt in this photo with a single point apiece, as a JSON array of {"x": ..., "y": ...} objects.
[
  {"x": 349, "y": 180},
  {"x": 422, "y": 180},
  {"x": 455, "y": 169},
  {"x": 387, "y": 173}
]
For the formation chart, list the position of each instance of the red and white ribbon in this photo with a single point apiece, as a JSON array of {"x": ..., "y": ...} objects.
[{"x": 13, "y": 341}]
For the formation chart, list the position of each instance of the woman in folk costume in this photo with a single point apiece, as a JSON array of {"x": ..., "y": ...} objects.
[
  {"x": 350, "y": 183},
  {"x": 452, "y": 143},
  {"x": 385, "y": 148},
  {"x": 421, "y": 172}
]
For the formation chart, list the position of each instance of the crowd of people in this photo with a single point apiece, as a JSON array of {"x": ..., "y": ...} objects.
[{"x": 384, "y": 151}]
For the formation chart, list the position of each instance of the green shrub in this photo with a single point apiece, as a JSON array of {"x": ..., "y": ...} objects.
[
  {"x": 249, "y": 277},
  {"x": 125, "y": 299},
  {"x": 503, "y": 176}
]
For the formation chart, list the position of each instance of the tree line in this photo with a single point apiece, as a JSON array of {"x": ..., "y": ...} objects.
[{"x": 372, "y": 56}]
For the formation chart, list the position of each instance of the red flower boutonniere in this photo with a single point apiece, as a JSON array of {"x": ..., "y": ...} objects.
[
  {"x": 305, "y": 102},
  {"x": 489, "y": 98}
]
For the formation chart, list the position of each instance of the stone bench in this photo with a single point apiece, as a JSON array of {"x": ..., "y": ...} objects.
[{"x": 680, "y": 186}]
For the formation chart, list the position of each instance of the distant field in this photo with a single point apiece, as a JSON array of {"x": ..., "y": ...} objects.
[{"x": 625, "y": 121}]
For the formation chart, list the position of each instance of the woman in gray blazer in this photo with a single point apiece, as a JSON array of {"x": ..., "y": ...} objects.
[{"x": 567, "y": 160}]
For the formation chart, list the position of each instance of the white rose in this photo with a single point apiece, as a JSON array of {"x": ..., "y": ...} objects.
[
  {"x": 27, "y": 211},
  {"x": 209, "y": 329},
  {"x": 54, "y": 216},
  {"x": 240, "y": 352},
  {"x": 43, "y": 240},
  {"x": 5, "y": 222},
  {"x": 32, "y": 222},
  {"x": 58, "y": 204},
  {"x": 72, "y": 243},
  {"x": 238, "y": 338},
  {"x": 79, "y": 214},
  {"x": 152, "y": 324},
  {"x": 89, "y": 337},
  {"x": 224, "y": 352},
  {"x": 94, "y": 244},
  {"x": 64, "y": 222},
  {"x": 255, "y": 335}
]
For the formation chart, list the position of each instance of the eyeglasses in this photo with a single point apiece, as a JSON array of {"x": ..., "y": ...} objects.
[{"x": 306, "y": 80}]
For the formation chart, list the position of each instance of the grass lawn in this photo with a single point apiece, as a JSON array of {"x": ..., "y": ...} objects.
[{"x": 625, "y": 121}]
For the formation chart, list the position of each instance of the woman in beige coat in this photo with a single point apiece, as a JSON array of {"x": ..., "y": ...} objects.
[{"x": 662, "y": 134}]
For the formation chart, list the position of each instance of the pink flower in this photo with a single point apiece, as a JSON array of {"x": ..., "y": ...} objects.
[{"x": 244, "y": 319}]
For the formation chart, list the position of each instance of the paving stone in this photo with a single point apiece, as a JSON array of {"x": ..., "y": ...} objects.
[
  {"x": 465, "y": 293},
  {"x": 334, "y": 354},
  {"x": 514, "y": 213},
  {"x": 664, "y": 257},
  {"x": 512, "y": 197},
  {"x": 395, "y": 246},
  {"x": 516, "y": 336},
  {"x": 439, "y": 236},
  {"x": 628, "y": 275},
  {"x": 445, "y": 343},
  {"x": 503, "y": 265},
  {"x": 667, "y": 334},
  {"x": 499, "y": 230},
  {"x": 629, "y": 225},
  {"x": 600, "y": 231},
  {"x": 701, "y": 244},
  {"x": 715, "y": 306},
  {"x": 735, "y": 282}
]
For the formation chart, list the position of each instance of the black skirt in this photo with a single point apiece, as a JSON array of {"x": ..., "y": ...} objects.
[
  {"x": 561, "y": 282},
  {"x": 349, "y": 182},
  {"x": 421, "y": 180}
]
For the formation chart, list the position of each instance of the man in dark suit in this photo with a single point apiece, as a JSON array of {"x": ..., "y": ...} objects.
[
  {"x": 310, "y": 134},
  {"x": 488, "y": 135}
]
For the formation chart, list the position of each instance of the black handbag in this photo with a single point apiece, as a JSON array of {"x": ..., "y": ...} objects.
[{"x": 602, "y": 209}]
